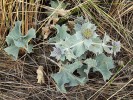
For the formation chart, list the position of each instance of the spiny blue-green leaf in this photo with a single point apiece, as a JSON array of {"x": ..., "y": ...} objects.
[
  {"x": 66, "y": 51},
  {"x": 66, "y": 76},
  {"x": 22, "y": 41},
  {"x": 81, "y": 47},
  {"x": 55, "y": 4},
  {"x": 96, "y": 47},
  {"x": 107, "y": 48},
  {"x": 116, "y": 47},
  {"x": 88, "y": 43},
  {"x": 77, "y": 27},
  {"x": 12, "y": 51},
  {"x": 61, "y": 34},
  {"x": 29, "y": 48},
  {"x": 106, "y": 38},
  {"x": 9, "y": 40},
  {"x": 78, "y": 44},
  {"x": 70, "y": 55},
  {"x": 91, "y": 63},
  {"x": 62, "y": 31},
  {"x": 15, "y": 39},
  {"x": 14, "y": 34},
  {"x": 80, "y": 20},
  {"x": 104, "y": 64},
  {"x": 16, "y": 31},
  {"x": 31, "y": 34},
  {"x": 57, "y": 52},
  {"x": 79, "y": 50},
  {"x": 81, "y": 71}
]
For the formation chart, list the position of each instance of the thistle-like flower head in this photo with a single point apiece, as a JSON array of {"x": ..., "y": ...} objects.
[{"x": 88, "y": 30}]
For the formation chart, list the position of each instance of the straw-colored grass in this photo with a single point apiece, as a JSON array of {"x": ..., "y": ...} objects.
[{"x": 18, "y": 78}]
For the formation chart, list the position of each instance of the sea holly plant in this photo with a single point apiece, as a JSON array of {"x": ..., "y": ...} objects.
[
  {"x": 71, "y": 49},
  {"x": 16, "y": 40}
]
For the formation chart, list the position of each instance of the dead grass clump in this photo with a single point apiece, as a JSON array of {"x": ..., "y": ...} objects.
[{"x": 18, "y": 79}]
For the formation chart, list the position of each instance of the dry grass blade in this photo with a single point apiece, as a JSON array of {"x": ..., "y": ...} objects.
[
  {"x": 18, "y": 79},
  {"x": 120, "y": 89}
]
